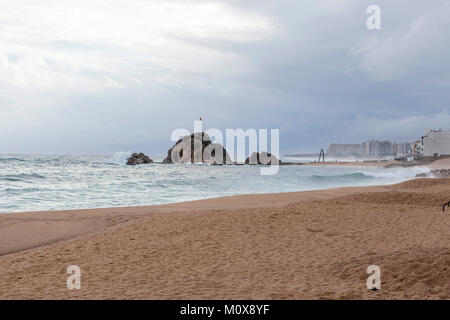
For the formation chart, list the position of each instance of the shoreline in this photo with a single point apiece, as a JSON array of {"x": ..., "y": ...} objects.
[
  {"x": 367, "y": 164},
  {"x": 97, "y": 219},
  {"x": 437, "y": 164},
  {"x": 90, "y": 220},
  {"x": 295, "y": 245}
]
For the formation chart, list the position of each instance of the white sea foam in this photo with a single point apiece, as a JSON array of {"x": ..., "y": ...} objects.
[
  {"x": 49, "y": 182},
  {"x": 120, "y": 158}
]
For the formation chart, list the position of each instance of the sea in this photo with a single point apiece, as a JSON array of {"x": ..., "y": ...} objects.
[{"x": 63, "y": 182}]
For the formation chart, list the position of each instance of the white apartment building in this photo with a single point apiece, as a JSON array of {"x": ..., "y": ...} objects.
[{"x": 435, "y": 143}]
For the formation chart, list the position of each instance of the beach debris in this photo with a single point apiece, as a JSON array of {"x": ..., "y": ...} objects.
[
  {"x": 197, "y": 148},
  {"x": 138, "y": 158},
  {"x": 421, "y": 175},
  {"x": 445, "y": 204},
  {"x": 262, "y": 158}
]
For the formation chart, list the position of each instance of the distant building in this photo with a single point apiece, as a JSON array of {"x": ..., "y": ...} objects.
[
  {"x": 384, "y": 148},
  {"x": 395, "y": 149},
  {"x": 435, "y": 144},
  {"x": 401, "y": 149},
  {"x": 344, "y": 150},
  {"x": 368, "y": 148},
  {"x": 416, "y": 148},
  {"x": 372, "y": 149},
  {"x": 404, "y": 148},
  {"x": 375, "y": 148}
]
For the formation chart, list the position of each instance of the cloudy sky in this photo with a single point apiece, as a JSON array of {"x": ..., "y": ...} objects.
[{"x": 100, "y": 76}]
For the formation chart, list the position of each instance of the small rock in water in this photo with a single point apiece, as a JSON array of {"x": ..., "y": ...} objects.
[
  {"x": 262, "y": 158},
  {"x": 421, "y": 175},
  {"x": 138, "y": 158}
]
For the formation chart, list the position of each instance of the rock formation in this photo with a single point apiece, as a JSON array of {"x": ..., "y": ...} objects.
[
  {"x": 197, "y": 148},
  {"x": 138, "y": 158},
  {"x": 262, "y": 158},
  {"x": 435, "y": 173},
  {"x": 440, "y": 173}
]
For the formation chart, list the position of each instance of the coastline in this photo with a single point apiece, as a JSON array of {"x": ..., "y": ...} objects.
[
  {"x": 297, "y": 245},
  {"x": 36, "y": 228},
  {"x": 224, "y": 159},
  {"x": 21, "y": 231},
  {"x": 437, "y": 164}
]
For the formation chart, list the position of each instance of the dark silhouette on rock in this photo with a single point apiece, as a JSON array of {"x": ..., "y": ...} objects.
[
  {"x": 138, "y": 158},
  {"x": 262, "y": 158},
  {"x": 197, "y": 148}
]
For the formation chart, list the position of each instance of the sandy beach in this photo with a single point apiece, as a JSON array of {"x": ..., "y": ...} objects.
[
  {"x": 300, "y": 245},
  {"x": 225, "y": 150}
]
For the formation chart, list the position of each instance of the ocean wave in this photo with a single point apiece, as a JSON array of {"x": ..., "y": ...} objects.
[
  {"x": 120, "y": 158},
  {"x": 21, "y": 177},
  {"x": 50, "y": 182},
  {"x": 355, "y": 176},
  {"x": 11, "y": 159},
  {"x": 21, "y": 191}
]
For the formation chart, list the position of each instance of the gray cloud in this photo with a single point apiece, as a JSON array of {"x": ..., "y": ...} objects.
[{"x": 107, "y": 79}]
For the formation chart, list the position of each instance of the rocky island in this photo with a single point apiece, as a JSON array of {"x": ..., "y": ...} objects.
[
  {"x": 263, "y": 158},
  {"x": 197, "y": 148},
  {"x": 138, "y": 158}
]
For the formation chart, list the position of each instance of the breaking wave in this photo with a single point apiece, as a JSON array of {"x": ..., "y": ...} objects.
[
  {"x": 53, "y": 182},
  {"x": 120, "y": 158},
  {"x": 342, "y": 177}
]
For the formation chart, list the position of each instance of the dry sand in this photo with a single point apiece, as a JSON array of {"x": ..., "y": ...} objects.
[
  {"x": 301, "y": 245},
  {"x": 440, "y": 164}
]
